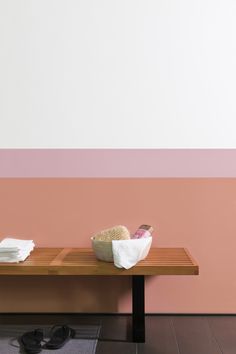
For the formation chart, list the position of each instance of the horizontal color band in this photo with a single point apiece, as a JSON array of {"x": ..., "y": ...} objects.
[{"x": 117, "y": 163}]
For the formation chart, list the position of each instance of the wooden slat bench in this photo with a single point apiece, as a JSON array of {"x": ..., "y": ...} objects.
[{"x": 82, "y": 261}]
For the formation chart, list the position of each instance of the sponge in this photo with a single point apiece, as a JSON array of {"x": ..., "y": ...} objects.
[{"x": 119, "y": 232}]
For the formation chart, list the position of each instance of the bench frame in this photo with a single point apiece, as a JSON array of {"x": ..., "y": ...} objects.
[
  {"x": 82, "y": 261},
  {"x": 138, "y": 308}
]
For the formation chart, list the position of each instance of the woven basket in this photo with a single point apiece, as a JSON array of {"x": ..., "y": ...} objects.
[
  {"x": 102, "y": 241},
  {"x": 102, "y": 250}
]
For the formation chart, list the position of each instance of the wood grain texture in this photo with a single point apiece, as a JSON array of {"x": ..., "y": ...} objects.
[{"x": 82, "y": 261}]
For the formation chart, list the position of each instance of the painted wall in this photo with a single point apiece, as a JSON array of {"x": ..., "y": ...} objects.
[
  {"x": 135, "y": 74},
  {"x": 117, "y": 73},
  {"x": 197, "y": 213}
]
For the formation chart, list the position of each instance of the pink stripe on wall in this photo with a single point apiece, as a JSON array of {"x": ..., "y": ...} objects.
[{"x": 117, "y": 163}]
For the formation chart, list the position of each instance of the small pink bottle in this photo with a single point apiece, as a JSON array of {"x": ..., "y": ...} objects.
[{"x": 143, "y": 231}]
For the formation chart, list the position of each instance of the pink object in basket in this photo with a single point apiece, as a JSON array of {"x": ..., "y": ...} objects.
[{"x": 143, "y": 231}]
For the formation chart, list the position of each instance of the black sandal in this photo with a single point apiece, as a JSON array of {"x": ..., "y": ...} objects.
[
  {"x": 31, "y": 341},
  {"x": 59, "y": 336}
]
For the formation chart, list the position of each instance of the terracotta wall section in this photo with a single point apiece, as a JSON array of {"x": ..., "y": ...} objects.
[{"x": 197, "y": 213}]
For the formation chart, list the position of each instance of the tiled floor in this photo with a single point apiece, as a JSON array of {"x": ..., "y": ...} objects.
[{"x": 164, "y": 334}]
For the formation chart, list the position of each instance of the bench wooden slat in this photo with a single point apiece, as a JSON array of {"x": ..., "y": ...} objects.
[{"x": 82, "y": 261}]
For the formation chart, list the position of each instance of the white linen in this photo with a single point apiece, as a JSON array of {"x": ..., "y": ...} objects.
[
  {"x": 15, "y": 250},
  {"x": 127, "y": 253}
]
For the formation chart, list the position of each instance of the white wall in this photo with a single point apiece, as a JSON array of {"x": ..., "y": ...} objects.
[{"x": 117, "y": 73}]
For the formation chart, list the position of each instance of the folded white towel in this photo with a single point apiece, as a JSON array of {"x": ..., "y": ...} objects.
[
  {"x": 15, "y": 250},
  {"x": 15, "y": 244},
  {"x": 127, "y": 253},
  {"x": 13, "y": 259},
  {"x": 8, "y": 249}
]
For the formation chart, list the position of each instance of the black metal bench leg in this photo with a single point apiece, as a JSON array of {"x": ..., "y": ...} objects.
[{"x": 138, "y": 311}]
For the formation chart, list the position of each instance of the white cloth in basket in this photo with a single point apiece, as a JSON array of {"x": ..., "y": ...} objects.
[{"x": 127, "y": 253}]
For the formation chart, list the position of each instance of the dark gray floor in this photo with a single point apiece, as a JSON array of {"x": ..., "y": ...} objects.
[{"x": 165, "y": 334}]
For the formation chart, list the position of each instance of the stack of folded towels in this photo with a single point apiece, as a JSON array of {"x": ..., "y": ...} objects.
[{"x": 15, "y": 250}]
